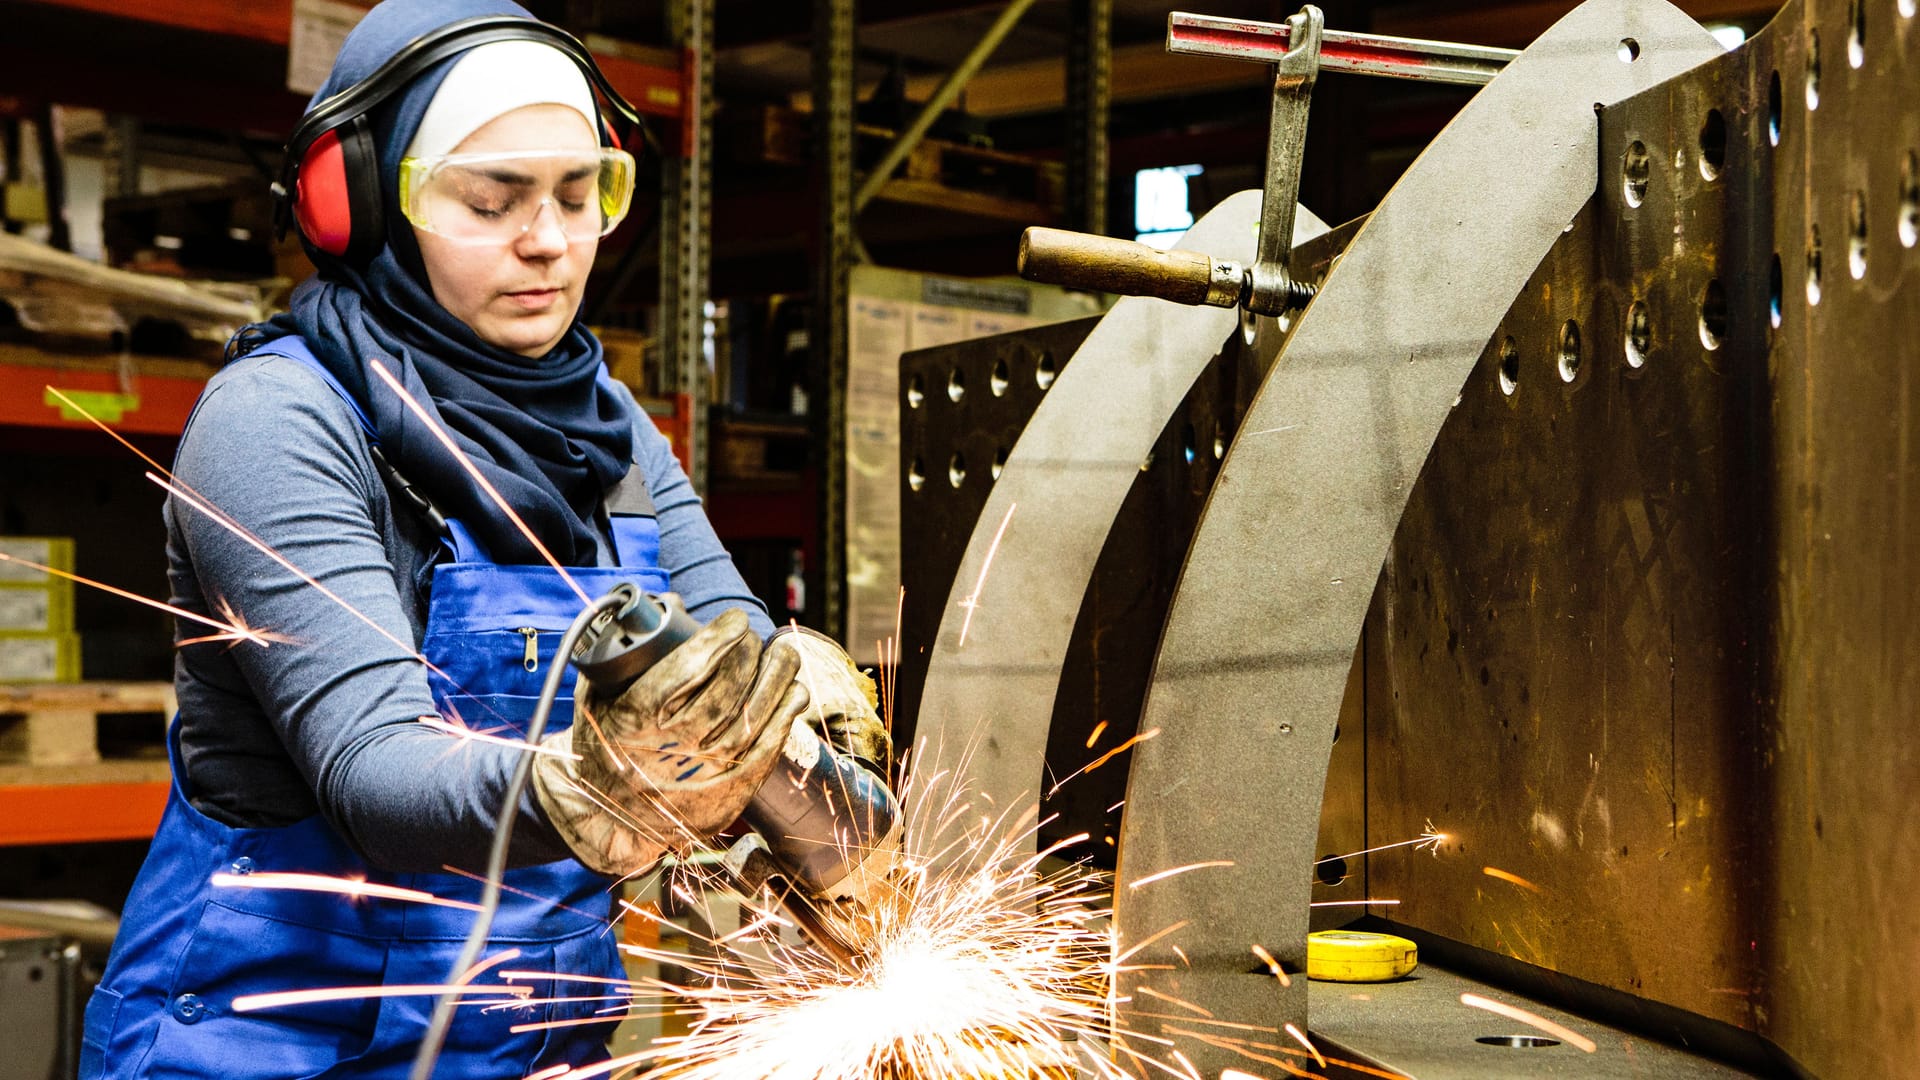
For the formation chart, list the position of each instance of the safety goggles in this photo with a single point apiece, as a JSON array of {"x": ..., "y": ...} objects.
[{"x": 495, "y": 198}]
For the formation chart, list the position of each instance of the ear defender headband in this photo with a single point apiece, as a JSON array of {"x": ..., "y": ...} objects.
[{"x": 329, "y": 183}]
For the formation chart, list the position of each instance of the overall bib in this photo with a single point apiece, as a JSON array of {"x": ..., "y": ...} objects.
[{"x": 187, "y": 948}]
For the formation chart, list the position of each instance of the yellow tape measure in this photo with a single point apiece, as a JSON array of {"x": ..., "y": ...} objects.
[{"x": 1353, "y": 957}]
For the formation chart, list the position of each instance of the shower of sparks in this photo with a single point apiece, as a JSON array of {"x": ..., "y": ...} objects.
[
  {"x": 235, "y": 631},
  {"x": 996, "y": 966},
  {"x": 1165, "y": 874},
  {"x": 1516, "y": 879},
  {"x": 1429, "y": 840},
  {"x": 473, "y": 470},
  {"x": 1513, "y": 1012},
  {"x": 1301, "y": 1037},
  {"x": 972, "y": 602},
  {"x": 339, "y": 886}
]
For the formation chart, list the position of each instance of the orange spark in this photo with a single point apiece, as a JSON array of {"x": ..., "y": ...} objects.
[
  {"x": 474, "y": 471},
  {"x": 1104, "y": 758},
  {"x": 1095, "y": 737},
  {"x": 253, "y": 1002},
  {"x": 461, "y": 731},
  {"x": 1496, "y": 872},
  {"x": 338, "y": 886},
  {"x": 1165, "y": 874},
  {"x": 1308, "y": 1043},
  {"x": 228, "y": 630},
  {"x": 1272, "y": 964},
  {"x": 973, "y": 600},
  {"x": 1171, "y": 1000},
  {"x": 1514, "y": 1012},
  {"x": 1350, "y": 903}
]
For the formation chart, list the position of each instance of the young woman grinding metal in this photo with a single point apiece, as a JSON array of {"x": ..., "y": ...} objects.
[{"x": 451, "y": 180}]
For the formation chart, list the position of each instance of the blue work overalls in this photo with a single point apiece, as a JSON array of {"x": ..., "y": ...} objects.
[{"x": 187, "y": 948}]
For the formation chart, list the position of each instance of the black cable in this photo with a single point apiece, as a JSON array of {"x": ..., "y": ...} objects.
[{"x": 436, "y": 1037}]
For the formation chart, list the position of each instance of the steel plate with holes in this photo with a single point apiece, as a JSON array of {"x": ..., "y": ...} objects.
[
  {"x": 1260, "y": 640},
  {"x": 995, "y": 665},
  {"x": 1656, "y": 599}
]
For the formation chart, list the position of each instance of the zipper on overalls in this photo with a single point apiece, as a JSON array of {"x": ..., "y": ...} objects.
[{"x": 531, "y": 661}]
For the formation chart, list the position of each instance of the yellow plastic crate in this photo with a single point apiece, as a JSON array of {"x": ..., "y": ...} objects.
[{"x": 54, "y": 551}]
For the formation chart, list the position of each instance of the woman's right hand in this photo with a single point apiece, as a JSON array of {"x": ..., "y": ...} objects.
[{"x": 677, "y": 756}]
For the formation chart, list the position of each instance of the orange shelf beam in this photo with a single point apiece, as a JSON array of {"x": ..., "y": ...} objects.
[
  {"x": 79, "y": 813},
  {"x": 151, "y": 404}
]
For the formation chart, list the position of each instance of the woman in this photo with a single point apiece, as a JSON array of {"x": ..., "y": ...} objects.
[{"x": 452, "y": 253}]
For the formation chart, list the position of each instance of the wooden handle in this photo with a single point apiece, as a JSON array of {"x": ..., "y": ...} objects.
[{"x": 1104, "y": 264}]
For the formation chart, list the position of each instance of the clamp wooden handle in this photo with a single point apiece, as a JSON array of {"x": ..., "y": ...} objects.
[{"x": 1104, "y": 264}]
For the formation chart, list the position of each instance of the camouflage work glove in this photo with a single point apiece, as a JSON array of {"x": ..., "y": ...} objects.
[
  {"x": 842, "y": 701},
  {"x": 676, "y": 757}
]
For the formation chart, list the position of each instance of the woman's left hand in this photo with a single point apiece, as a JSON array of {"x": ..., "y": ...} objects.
[{"x": 842, "y": 701}]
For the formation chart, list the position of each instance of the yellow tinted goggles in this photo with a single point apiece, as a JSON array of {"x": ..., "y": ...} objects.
[{"x": 496, "y": 198}]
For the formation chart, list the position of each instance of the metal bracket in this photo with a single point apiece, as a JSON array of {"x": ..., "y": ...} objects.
[{"x": 1272, "y": 289}]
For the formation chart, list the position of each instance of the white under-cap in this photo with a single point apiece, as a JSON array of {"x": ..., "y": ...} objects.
[{"x": 494, "y": 79}]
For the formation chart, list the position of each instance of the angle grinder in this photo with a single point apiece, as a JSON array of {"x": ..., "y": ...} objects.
[{"x": 827, "y": 831}]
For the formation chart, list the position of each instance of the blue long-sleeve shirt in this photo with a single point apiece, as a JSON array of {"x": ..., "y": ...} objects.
[{"x": 326, "y": 722}]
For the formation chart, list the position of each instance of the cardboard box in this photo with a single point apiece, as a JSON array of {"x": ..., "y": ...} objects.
[
  {"x": 30, "y": 657},
  {"x": 40, "y": 608},
  {"x": 54, "y": 551}
]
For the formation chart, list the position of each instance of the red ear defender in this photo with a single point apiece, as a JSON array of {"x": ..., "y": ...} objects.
[{"x": 322, "y": 201}]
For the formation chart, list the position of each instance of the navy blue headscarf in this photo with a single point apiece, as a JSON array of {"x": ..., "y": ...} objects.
[{"x": 542, "y": 431}]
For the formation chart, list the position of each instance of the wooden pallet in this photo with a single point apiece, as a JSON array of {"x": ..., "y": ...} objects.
[{"x": 58, "y": 724}]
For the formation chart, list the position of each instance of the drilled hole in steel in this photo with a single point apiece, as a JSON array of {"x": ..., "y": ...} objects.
[
  {"x": 1773, "y": 109},
  {"x": 1857, "y": 236},
  {"x": 1331, "y": 870},
  {"x": 956, "y": 386},
  {"x": 1517, "y": 1042},
  {"x": 1776, "y": 287},
  {"x": 997, "y": 382},
  {"x": 956, "y": 469},
  {"x": 1636, "y": 169},
  {"x": 1569, "y": 351},
  {"x": 1813, "y": 264},
  {"x": 1043, "y": 370},
  {"x": 1187, "y": 438},
  {"x": 1639, "y": 334},
  {"x": 916, "y": 391},
  {"x": 1148, "y": 463},
  {"x": 1910, "y": 200},
  {"x": 999, "y": 462},
  {"x": 1857, "y": 34},
  {"x": 1509, "y": 366},
  {"x": 917, "y": 474},
  {"x": 1713, "y": 315},
  {"x": 1219, "y": 441},
  {"x": 1713, "y": 144},
  {"x": 1813, "y": 69},
  {"x": 1249, "y": 326},
  {"x": 1629, "y": 50}
]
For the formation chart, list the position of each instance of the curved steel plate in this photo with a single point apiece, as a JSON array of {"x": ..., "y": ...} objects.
[
  {"x": 996, "y": 664},
  {"x": 1256, "y": 652}
]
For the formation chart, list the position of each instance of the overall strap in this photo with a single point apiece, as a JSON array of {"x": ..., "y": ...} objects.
[{"x": 295, "y": 348}]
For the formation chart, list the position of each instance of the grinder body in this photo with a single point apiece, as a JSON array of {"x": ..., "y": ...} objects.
[{"x": 828, "y": 825}]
